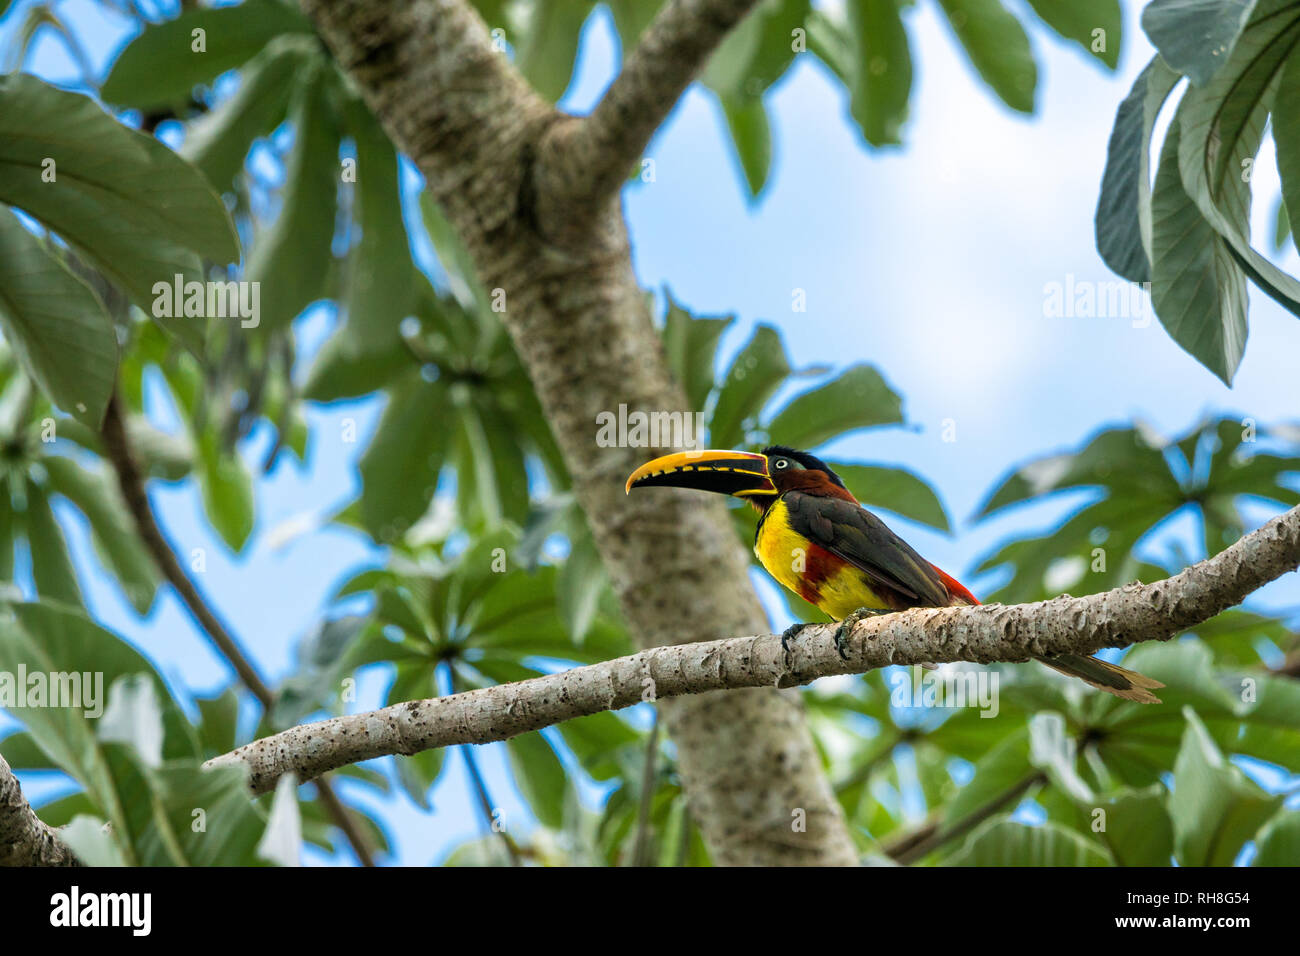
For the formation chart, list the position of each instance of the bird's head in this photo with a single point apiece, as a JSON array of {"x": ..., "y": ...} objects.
[{"x": 757, "y": 477}]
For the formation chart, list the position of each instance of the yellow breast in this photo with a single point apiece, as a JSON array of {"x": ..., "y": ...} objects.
[{"x": 819, "y": 577}]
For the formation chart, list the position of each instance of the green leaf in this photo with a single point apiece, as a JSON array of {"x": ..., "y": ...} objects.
[
  {"x": 1003, "y": 842},
  {"x": 1000, "y": 770},
  {"x": 218, "y": 142},
  {"x": 1079, "y": 20},
  {"x": 335, "y": 374},
  {"x": 161, "y": 67},
  {"x": 1278, "y": 843},
  {"x": 1123, "y": 219},
  {"x": 881, "y": 79},
  {"x": 1198, "y": 289},
  {"x": 381, "y": 279},
  {"x": 1286, "y": 136},
  {"x": 56, "y": 639},
  {"x": 631, "y": 17},
  {"x": 757, "y": 51},
  {"x": 227, "y": 490},
  {"x": 579, "y": 586},
  {"x": 136, "y": 210},
  {"x": 1195, "y": 37},
  {"x": 998, "y": 49},
  {"x": 399, "y": 470},
  {"x": 754, "y": 376},
  {"x": 114, "y": 533},
  {"x": 218, "y": 722},
  {"x": 1214, "y": 807},
  {"x": 1119, "y": 459},
  {"x": 540, "y": 776},
  {"x": 1137, "y": 828},
  {"x": 896, "y": 490},
  {"x": 291, "y": 259},
  {"x": 52, "y": 567},
  {"x": 1282, "y": 224},
  {"x": 1221, "y": 126},
  {"x": 692, "y": 346},
  {"x": 417, "y": 774},
  {"x": 597, "y": 740},
  {"x": 55, "y": 324},
  {"x": 546, "y": 51},
  {"x": 752, "y": 140},
  {"x": 858, "y": 398}
]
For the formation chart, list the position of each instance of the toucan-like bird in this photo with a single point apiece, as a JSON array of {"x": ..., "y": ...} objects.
[{"x": 816, "y": 539}]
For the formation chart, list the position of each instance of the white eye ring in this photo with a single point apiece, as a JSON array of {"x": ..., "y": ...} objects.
[{"x": 781, "y": 463}]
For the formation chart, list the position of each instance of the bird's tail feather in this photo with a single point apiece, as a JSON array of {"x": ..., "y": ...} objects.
[{"x": 1111, "y": 678}]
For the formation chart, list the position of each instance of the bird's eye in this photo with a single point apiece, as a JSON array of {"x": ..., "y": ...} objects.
[{"x": 780, "y": 463}]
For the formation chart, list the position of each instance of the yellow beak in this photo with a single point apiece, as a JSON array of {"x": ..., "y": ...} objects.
[{"x": 739, "y": 473}]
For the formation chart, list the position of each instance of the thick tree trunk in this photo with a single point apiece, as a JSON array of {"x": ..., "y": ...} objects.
[{"x": 488, "y": 147}]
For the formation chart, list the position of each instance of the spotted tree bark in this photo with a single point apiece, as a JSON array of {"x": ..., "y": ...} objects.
[{"x": 987, "y": 633}]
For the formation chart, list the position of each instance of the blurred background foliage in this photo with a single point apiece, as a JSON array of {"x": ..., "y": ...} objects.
[{"x": 488, "y": 572}]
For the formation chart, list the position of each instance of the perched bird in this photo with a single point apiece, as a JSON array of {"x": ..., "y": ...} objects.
[{"x": 816, "y": 539}]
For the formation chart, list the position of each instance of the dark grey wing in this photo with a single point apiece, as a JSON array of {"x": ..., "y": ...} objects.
[{"x": 854, "y": 534}]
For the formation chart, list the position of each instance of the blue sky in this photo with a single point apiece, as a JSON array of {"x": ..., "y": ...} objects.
[{"x": 928, "y": 261}]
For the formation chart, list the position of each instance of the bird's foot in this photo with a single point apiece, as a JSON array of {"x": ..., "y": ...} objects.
[
  {"x": 794, "y": 630},
  {"x": 847, "y": 624}
]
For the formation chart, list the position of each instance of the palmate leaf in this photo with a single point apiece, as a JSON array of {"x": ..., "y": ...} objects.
[{"x": 1145, "y": 479}]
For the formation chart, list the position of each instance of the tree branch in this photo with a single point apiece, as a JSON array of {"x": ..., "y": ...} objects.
[
  {"x": 984, "y": 634},
  {"x": 582, "y": 164},
  {"x": 26, "y": 839}
]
